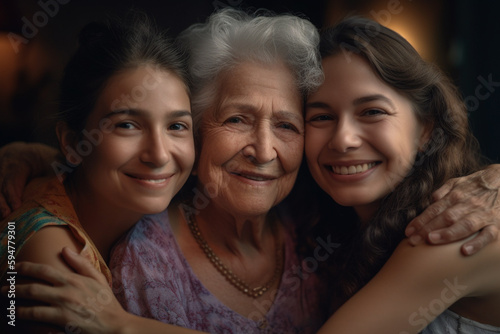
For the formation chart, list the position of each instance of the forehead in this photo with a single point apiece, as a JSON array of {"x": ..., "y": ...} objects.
[
  {"x": 258, "y": 84},
  {"x": 146, "y": 86},
  {"x": 349, "y": 71},
  {"x": 351, "y": 76},
  {"x": 141, "y": 79}
]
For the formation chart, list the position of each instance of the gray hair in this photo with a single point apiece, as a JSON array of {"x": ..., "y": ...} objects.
[{"x": 231, "y": 37}]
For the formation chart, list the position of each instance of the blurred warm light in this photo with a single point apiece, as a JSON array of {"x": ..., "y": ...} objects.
[
  {"x": 414, "y": 36},
  {"x": 8, "y": 68},
  {"x": 417, "y": 21}
]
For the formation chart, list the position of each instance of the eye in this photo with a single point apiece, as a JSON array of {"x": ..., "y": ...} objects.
[
  {"x": 178, "y": 127},
  {"x": 374, "y": 112},
  {"x": 126, "y": 126},
  {"x": 320, "y": 118},
  {"x": 288, "y": 126},
  {"x": 233, "y": 120}
]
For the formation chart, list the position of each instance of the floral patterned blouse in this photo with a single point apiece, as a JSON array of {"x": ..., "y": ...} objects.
[{"x": 151, "y": 278}]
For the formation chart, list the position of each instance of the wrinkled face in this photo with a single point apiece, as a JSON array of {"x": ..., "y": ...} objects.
[
  {"x": 362, "y": 136},
  {"x": 141, "y": 138},
  {"x": 251, "y": 139}
]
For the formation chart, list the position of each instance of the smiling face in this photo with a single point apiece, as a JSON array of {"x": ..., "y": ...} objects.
[
  {"x": 143, "y": 148},
  {"x": 362, "y": 136},
  {"x": 252, "y": 139}
]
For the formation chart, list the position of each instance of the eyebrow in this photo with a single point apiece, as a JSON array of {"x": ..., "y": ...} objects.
[
  {"x": 320, "y": 105},
  {"x": 356, "y": 102},
  {"x": 374, "y": 97},
  {"x": 289, "y": 115},
  {"x": 280, "y": 113},
  {"x": 141, "y": 112}
]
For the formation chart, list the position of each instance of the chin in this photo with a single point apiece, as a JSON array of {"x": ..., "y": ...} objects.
[
  {"x": 153, "y": 208},
  {"x": 254, "y": 210},
  {"x": 351, "y": 200}
]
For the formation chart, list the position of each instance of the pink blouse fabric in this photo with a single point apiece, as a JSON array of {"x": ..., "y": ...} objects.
[{"x": 151, "y": 278}]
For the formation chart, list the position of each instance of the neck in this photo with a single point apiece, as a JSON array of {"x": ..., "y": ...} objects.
[
  {"x": 103, "y": 222},
  {"x": 239, "y": 234},
  {"x": 367, "y": 212}
]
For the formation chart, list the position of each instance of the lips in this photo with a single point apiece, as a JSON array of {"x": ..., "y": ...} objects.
[
  {"x": 352, "y": 169},
  {"x": 151, "y": 178},
  {"x": 255, "y": 176}
]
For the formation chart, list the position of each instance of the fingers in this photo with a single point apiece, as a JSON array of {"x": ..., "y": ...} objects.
[
  {"x": 41, "y": 313},
  {"x": 444, "y": 190},
  {"x": 417, "y": 229},
  {"x": 487, "y": 235},
  {"x": 41, "y": 271},
  {"x": 82, "y": 266},
  {"x": 453, "y": 233},
  {"x": 451, "y": 224},
  {"x": 469, "y": 201},
  {"x": 35, "y": 291}
]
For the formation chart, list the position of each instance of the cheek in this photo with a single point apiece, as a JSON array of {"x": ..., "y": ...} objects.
[
  {"x": 400, "y": 154},
  {"x": 184, "y": 152},
  {"x": 292, "y": 154},
  {"x": 315, "y": 141},
  {"x": 111, "y": 153},
  {"x": 209, "y": 164}
]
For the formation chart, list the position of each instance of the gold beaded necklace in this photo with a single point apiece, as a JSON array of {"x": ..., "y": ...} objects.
[{"x": 225, "y": 271}]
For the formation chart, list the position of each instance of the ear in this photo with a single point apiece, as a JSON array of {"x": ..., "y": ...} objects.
[{"x": 67, "y": 142}]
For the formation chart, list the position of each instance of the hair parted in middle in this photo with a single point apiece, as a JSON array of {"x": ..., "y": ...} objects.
[{"x": 451, "y": 151}]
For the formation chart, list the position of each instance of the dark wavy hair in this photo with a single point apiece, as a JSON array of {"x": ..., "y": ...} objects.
[{"x": 452, "y": 151}]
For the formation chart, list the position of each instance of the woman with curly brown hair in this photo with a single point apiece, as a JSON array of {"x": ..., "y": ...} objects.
[{"x": 383, "y": 132}]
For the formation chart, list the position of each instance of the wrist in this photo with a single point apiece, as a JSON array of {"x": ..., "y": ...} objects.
[{"x": 127, "y": 323}]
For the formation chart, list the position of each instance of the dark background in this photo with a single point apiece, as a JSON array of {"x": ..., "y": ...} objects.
[{"x": 462, "y": 36}]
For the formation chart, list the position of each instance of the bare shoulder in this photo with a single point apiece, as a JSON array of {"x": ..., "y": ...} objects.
[
  {"x": 46, "y": 244},
  {"x": 45, "y": 247}
]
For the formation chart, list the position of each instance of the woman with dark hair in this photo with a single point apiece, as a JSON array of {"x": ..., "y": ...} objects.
[
  {"x": 124, "y": 157},
  {"x": 384, "y": 131},
  {"x": 223, "y": 259}
]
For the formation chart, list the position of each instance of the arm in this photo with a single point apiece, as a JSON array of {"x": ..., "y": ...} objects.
[
  {"x": 44, "y": 247},
  {"x": 20, "y": 162},
  {"x": 415, "y": 286},
  {"x": 462, "y": 207},
  {"x": 84, "y": 301}
]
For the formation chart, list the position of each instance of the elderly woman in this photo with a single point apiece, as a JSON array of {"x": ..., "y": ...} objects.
[
  {"x": 221, "y": 259},
  {"x": 215, "y": 262}
]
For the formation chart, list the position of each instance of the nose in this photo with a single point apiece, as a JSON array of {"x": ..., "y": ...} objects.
[
  {"x": 346, "y": 136},
  {"x": 155, "y": 150},
  {"x": 262, "y": 146}
]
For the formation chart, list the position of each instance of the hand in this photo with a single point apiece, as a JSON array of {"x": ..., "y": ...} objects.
[
  {"x": 81, "y": 301},
  {"x": 20, "y": 162},
  {"x": 462, "y": 207}
]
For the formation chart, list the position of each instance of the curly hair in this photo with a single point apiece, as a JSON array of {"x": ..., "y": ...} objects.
[{"x": 452, "y": 150}]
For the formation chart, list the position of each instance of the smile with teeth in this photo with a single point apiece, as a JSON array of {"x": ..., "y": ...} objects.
[
  {"x": 354, "y": 169},
  {"x": 149, "y": 180}
]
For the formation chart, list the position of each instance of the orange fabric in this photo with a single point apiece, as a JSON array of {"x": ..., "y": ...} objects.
[{"x": 50, "y": 194}]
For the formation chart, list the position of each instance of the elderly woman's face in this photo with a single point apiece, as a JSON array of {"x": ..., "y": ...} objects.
[{"x": 252, "y": 139}]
